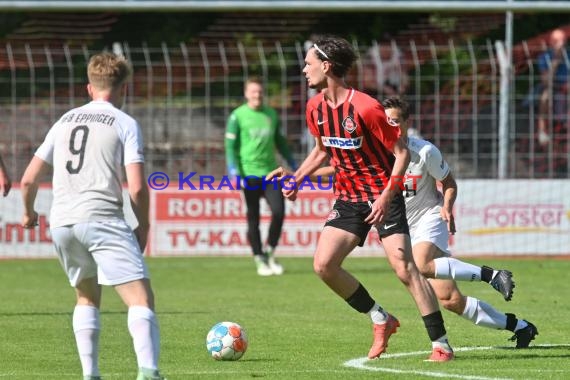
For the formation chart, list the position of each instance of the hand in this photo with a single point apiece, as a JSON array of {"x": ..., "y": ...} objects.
[
  {"x": 289, "y": 188},
  {"x": 292, "y": 197},
  {"x": 232, "y": 173},
  {"x": 30, "y": 220},
  {"x": 278, "y": 174},
  {"x": 448, "y": 217},
  {"x": 5, "y": 183},
  {"x": 285, "y": 177},
  {"x": 141, "y": 233},
  {"x": 378, "y": 211}
]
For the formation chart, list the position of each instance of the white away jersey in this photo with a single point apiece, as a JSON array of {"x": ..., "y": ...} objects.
[
  {"x": 88, "y": 147},
  {"x": 426, "y": 167}
]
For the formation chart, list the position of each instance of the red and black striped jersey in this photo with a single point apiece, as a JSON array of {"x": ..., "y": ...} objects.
[{"x": 359, "y": 138}]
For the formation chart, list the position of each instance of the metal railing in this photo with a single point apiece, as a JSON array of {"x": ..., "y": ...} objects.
[{"x": 182, "y": 95}]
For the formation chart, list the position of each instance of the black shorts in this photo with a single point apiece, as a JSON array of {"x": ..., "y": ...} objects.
[{"x": 349, "y": 216}]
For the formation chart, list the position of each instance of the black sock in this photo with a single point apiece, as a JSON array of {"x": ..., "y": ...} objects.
[
  {"x": 434, "y": 325},
  {"x": 360, "y": 300},
  {"x": 486, "y": 273},
  {"x": 511, "y": 322}
]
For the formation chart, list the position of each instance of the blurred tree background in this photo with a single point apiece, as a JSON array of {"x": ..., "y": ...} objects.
[{"x": 173, "y": 28}]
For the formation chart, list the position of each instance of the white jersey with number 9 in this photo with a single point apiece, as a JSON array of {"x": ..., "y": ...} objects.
[{"x": 88, "y": 147}]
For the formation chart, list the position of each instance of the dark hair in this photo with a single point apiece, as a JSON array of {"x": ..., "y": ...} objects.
[
  {"x": 399, "y": 103},
  {"x": 338, "y": 51}
]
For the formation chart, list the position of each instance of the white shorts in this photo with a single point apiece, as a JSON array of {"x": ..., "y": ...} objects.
[
  {"x": 433, "y": 229},
  {"x": 106, "y": 249}
]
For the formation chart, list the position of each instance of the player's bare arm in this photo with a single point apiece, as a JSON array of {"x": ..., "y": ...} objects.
[
  {"x": 323, "y": 174},
  {"x": 138, "y": 193},
  {"x": 5, "y": 182},
  {"x": 449, "y": 188},
  {"x": 29, "y": 186},
  {"x": 313, "y": 161},
  {"x": 380, "y": 205}
]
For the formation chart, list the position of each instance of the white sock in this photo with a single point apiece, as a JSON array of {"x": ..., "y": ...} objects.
[
  {"x": 442, "y": 343},
  {"x": 146, "y": 337},
  {"x": 483, "y": 314},
  {"x": 450, "y": 268},
  {"x": 378, "y": 315},
  {"x": 86, "y": 327}
]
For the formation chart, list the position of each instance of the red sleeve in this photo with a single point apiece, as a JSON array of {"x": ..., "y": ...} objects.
[
  {"x": 310, "y": 115},
  {"x": 384, "y": 128}
]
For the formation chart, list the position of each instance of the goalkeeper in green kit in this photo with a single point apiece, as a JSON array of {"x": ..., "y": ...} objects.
[{"x": 253, "y": 138}]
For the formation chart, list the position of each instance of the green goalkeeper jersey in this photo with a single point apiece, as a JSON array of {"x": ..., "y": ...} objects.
[{"x": 252, "y": 139}]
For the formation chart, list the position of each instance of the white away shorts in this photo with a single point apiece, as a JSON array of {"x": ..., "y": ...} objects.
[
  {"x": 106, "y": 249},
  {"x": 431, "y": 228}
]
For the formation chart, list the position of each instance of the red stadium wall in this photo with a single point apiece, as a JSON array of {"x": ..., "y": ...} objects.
[{"x": 511, "y": 217}]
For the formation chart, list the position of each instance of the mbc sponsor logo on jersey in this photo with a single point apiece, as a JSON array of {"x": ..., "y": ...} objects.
[{"x": 341, "y": 142}]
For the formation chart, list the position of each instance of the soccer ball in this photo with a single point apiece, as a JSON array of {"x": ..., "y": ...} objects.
[{"x": 226, "y": 341}]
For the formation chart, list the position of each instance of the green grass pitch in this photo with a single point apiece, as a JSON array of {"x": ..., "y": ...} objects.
[{"x": 297, "y": 328}]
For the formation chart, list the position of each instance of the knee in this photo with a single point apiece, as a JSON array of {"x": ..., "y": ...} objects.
[
  {"x": 404, "y": 272},
  {"x": 324, "y": 269},
  {"x": 426, "y": 269},
  {"x": 453, "y": 302}
]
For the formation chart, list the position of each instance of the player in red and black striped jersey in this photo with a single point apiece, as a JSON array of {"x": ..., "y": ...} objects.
[
  {"x": 359, "y": 139},
  {"x": 363, "y": 145}
]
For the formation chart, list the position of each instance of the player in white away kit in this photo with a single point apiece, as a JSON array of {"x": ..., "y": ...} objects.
[
  {"x": 430, "y": 218},
  {"x": 87, "y": 149}
]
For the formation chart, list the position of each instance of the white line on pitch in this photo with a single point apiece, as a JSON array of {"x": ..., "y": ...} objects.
[{"x": 360, "y": 363}]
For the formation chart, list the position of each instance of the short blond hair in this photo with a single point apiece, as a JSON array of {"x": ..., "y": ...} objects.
[
  {"x": 253, "y": 79},
  {"x": 108, "y": 71}
]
